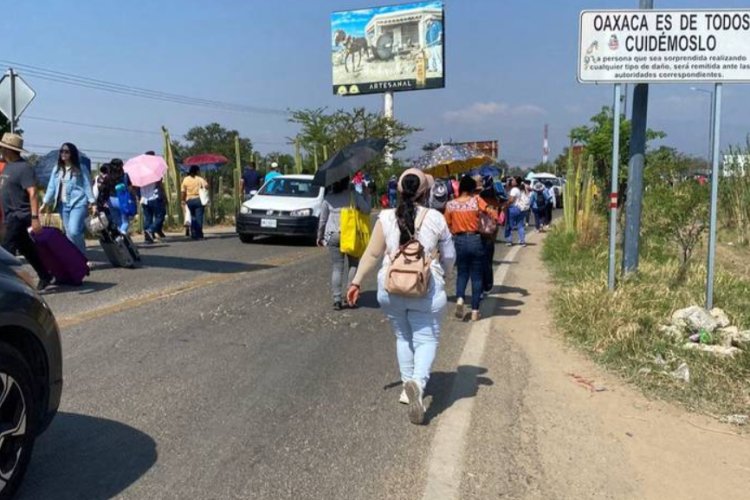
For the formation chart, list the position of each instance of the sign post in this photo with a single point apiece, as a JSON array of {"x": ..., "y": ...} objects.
[
  {"x": 15, "y": 96},
  {"x": 716, "y": 127},
  {"x": 668, "y": 46},
  {"x": 613, "y": 193}
]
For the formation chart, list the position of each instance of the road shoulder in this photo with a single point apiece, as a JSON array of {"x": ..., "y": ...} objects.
[{"x": 555, "y": 425}]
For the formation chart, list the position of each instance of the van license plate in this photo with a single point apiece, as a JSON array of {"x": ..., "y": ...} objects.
[{"x": 268, "y": 223}]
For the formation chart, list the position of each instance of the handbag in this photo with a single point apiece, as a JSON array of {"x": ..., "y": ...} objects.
[
  {"x": 355, "y": 230},
  {"x": 409, "y": 272},
  {"x": 204, "y": 196},
  {"x": 487, "y": 224},
  {"x": 96, "y": 224}
]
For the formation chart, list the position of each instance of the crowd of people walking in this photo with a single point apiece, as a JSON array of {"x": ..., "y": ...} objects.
[{"x": 430, "y": 228}]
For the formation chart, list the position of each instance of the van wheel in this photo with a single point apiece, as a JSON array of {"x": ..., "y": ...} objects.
[
  {"x": 18, "y": 419},
  {"x": 246, "y": 238}
]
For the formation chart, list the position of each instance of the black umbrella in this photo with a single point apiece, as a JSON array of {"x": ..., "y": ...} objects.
[{"x": 348, "y": 161}]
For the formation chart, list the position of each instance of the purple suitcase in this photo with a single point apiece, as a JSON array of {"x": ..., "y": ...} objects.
[{"x": 60, "y": 256}]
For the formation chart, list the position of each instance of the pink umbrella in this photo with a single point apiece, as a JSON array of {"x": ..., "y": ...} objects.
[{"x": 145, "y": 169}]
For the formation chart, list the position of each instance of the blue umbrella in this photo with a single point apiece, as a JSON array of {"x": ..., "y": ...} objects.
[
  {"x": 486, "y": 170},
  {"x": 47, "y": 163}
]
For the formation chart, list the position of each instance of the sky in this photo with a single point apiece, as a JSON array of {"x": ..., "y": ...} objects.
[{"x": 510, "y": 69}]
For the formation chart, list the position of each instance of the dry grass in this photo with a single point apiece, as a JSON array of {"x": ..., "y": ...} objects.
[{"x": 620, "y": 330}]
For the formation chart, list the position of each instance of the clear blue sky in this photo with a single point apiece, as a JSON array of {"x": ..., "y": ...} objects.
[{"x": 510, "y": 68}]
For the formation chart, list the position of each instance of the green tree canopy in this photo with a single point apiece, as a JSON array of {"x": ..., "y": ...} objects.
[
  {"x": 322, "y": 133},
  {"x": 597, "y": 138},
  {"x": 213, "y": 138}
]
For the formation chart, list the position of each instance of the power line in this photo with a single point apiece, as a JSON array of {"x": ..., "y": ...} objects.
[
  {"x": 84, "y": 149},
  {"x": 91, "y": 125},
  {"x": 91, "y": 83}
]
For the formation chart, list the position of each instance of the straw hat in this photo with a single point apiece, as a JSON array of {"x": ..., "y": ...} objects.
[{"x": 13, "y": 142}]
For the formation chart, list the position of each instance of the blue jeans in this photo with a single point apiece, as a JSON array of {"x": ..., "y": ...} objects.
[
  {"x": 116, "y": 216},
  {"x": 416, "y": 324},
  {"x": 153, "y": 216},
  {"x": 540, "y": 217},
  {"x": 392, "y": 199},
  {"x": 196, "y": 217},
  {"x": 74, "y": 220},
  {"x": 517, "y": 219},
  {"x": 470, "y": 262}
]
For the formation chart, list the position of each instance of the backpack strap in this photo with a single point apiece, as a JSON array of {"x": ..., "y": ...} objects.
[{"x": 419, "y": 220}]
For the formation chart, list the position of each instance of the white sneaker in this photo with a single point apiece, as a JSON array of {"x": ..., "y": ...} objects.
[
  {"x": 416, "y": 406},
  {"x": 403, "y": 398},
  {"x": 460, "y": 308}
]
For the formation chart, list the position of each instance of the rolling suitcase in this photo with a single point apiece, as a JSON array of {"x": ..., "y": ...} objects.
[
  {"x": 62, "y": 259},
  {"x": 119, "y": 248}
]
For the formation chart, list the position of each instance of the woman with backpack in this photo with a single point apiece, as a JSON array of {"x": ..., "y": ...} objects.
[
  {"x": 539, "y": 202},
  {"x": 463, "y": 218},
  {"x": 417, "y": 252},
  {"x": 109, "y": 201}
]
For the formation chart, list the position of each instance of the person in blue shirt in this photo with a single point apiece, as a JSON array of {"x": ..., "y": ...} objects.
[
  {"x": 69, "y": 192},
  {"x": 273, "y": 173},
  {"x": 392, "y": 191},
  {"x": 250, "y": 179},
  {"x": 539, "y": 201}
]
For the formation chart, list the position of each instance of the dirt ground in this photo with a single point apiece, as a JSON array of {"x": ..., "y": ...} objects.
[{"x": 552, "y": 424}]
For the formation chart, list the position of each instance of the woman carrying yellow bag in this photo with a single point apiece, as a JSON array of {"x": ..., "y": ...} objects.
[{"x": 339, "y": 206}]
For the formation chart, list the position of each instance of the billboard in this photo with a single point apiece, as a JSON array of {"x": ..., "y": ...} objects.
[
  {"x": 664, "y": 46},
  {"x": 488, "y": 148},
  {"x": 396, "y": 48}
]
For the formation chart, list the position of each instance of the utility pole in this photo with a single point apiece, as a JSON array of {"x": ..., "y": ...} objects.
[
  {"x": 388, "y": 113},
  {"x": 12, "y": 75},
  {"x": 634, "y": 201}
]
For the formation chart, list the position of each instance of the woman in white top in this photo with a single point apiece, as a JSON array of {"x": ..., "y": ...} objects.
[{"x": 415, "y": 320}]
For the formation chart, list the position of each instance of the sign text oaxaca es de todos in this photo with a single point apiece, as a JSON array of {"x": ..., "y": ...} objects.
[{"x": 664, "y": 46}]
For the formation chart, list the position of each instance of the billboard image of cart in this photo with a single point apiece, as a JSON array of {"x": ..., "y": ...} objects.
[{"x": 395, "y": 47}]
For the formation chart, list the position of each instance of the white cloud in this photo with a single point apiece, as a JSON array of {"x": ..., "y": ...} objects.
[{"x": 480, "y": 111}]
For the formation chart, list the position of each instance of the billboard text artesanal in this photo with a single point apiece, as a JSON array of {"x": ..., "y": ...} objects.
[{"x": 396, "y": 48}]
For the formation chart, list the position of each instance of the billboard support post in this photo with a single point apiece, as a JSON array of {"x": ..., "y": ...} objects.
[
  {"x": 388, "y": 113},
  {"x": 613, "y": 192},
  {"x": 714, "y": 195}
]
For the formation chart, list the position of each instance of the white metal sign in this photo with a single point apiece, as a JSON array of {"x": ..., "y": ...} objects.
[
  {"x": 661, "y": 46},
  {"x": 24, "y": 96}
]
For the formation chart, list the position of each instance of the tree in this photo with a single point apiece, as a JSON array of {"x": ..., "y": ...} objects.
[
  {"x": 4, "y": 124},
  {"x": 213, "y": 138},
  {"x": 430, "y": 146},
  {"x": 598, "y": 141},
  {"x": 322, "y": 134}
]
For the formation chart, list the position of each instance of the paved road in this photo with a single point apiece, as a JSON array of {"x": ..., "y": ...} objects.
[{"x": 220, "y": 370}]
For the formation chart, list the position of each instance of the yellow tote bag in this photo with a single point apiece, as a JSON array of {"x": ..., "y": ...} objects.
[{"x": 355, "y": 231}]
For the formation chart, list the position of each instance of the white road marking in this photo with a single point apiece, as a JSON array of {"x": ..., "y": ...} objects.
[{"x": 445, "y": 464}]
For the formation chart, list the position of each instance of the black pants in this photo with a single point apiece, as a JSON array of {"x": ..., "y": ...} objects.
[{"x": 17, "y": 239}]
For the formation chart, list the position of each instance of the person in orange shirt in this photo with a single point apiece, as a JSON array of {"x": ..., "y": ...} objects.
[{"x": 462, "y": 216}]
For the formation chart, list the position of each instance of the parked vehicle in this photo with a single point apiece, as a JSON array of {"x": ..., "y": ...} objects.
[
  {"x": 30, "y": 370},
  {"x": 287, "y": 205}
]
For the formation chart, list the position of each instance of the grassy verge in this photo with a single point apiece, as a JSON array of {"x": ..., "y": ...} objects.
[{"x": 620, "y": 330}]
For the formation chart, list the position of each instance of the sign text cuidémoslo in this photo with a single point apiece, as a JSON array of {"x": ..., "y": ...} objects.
[{"x": 664, "y": 46}]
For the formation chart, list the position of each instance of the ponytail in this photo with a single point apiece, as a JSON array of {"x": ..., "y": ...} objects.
[{"x": 406, "y": 212}]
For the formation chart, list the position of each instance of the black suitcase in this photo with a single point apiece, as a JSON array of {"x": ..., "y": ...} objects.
[{"x": 120, "y": 249}]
